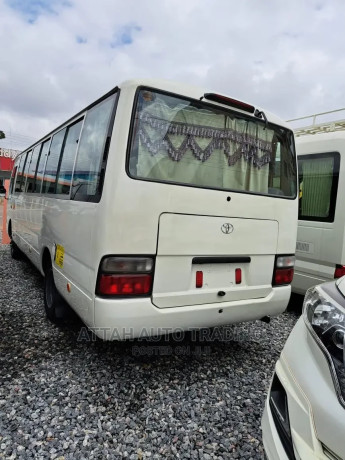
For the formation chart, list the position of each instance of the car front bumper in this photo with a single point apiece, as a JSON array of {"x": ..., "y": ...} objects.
[{"x": 317, "y": 420}]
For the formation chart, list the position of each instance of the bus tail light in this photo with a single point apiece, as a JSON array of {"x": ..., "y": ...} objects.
[
  {"x": 124, "y": 285},
  {"x": 339, "y": 271},
  {"x": 125, "y": 276},
  {"x": 283, "y": 270}
]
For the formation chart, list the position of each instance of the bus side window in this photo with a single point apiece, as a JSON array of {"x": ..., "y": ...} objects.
[
  {"x": 13, "y": 177},
  {"x": 68, "y": 156},
  {"x": 40, "y": 166},
  {"x": 16, "y": 179},
  {"x": 49, "y": 181},
  {"x": 29, "y": 186},
  {"x": 93, "y": 142},
  {"x": 26, "y": 170},
  {"x": 19, "y": 179}
]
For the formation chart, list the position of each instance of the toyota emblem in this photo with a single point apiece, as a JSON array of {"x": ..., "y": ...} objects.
[{"x": 227, "y": 228}]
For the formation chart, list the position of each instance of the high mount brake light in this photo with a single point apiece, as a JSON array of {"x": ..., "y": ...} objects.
[{"x": 229, "y": 101}]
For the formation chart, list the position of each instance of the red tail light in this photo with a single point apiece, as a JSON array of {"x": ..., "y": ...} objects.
[
  {"x": 283, "y": 270},
  {"x": 238, "y": 276},
  {"x": 283, "y": 276},
  {"x": 124, "y": 284},
  {"x": 339, "y": 271},
  {"x": 125, "y": 276},
  {"x": 199, "y": 279}
]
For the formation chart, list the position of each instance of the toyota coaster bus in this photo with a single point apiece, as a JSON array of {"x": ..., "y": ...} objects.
[{"x": 159, "y": 207}]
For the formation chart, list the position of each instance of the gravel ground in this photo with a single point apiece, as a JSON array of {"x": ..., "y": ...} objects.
[{"x": 63, "y": 396}]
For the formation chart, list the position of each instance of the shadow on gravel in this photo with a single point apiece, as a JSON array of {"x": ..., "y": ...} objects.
[
  {"x": 295, "y": 304},
  {"x": 202, "y": 346}
]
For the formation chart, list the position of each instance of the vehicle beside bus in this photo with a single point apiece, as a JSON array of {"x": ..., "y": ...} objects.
[
  {"x": 160, "y": 207},
  {"x": 304, "y": 416},
  {"x": 320, "y": 248}
]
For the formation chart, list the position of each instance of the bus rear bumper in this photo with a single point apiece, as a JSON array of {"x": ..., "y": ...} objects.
[{"x": 120, "y": 319}]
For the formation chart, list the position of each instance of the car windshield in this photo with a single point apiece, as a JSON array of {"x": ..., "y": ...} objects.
[{"x": 194, "y": 143}]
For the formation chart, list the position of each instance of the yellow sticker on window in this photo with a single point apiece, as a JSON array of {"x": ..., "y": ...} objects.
[{"x": 59, "y": 255}]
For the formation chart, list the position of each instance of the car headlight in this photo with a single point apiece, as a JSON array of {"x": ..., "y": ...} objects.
[{"x": 325, "y": 320}]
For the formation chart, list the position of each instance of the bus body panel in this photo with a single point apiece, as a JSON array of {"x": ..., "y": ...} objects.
[
  {"x": 211, "y": 235},
  {"x": 218, "y": 285},
  {"x": 134, "y": 231},
  {"x": 24, "y": 221},
  {"x": 70, "y": 225},
  {"x": 321, "y": 245},
  {"x": 183, "y": 237}
]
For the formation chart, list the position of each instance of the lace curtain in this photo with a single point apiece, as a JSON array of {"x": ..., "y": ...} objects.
[{"x": 201, "y": 147}]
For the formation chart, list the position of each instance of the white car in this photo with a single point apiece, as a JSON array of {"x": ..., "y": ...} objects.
[{"x": 304, "y": 415}]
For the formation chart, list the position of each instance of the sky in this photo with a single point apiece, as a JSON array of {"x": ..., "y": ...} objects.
[{"x": 57, "y": 56}]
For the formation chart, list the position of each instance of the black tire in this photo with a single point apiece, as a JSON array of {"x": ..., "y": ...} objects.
[
  {"x": 54, "y": 305},
  {"x": 16, "y": 253}
]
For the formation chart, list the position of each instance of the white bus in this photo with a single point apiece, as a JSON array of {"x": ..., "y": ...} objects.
[
  {"x": 160, "y": 207},
  {"x": 320, "y": 249}
]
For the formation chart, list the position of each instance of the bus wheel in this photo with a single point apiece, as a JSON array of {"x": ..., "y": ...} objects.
[
  {"x": 54, "y": 304},
  {"x": 15, "y": 251}
]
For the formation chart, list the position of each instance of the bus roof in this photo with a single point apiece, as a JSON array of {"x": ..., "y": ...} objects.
[{"x": 182, "y": 89}]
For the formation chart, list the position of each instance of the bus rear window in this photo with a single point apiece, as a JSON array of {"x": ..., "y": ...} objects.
[{"x": 192, "y": 143}]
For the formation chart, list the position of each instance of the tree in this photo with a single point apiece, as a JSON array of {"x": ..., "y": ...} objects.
[{"x": 2, "y": 135}]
